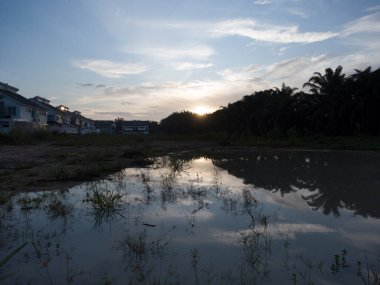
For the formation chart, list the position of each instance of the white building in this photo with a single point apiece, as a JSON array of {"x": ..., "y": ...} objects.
[{"x": 17, "y": 112}]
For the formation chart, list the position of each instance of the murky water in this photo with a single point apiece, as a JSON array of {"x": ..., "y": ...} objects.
[{"x": 264, "y": 217}]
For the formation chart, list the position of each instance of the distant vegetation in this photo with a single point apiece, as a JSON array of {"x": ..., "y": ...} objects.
[{"x": 335, "y": 105}]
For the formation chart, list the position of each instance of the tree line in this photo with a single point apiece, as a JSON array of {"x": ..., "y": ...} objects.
[{"x": 335, "y": 104}]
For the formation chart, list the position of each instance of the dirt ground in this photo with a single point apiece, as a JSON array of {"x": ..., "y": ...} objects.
[{"x": 48, "y": 166}]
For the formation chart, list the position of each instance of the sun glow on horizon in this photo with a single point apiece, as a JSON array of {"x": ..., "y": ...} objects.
[{"x": 202, "y": 110}]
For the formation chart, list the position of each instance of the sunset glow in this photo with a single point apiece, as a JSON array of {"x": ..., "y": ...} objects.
[
  {"x": 202, "y": 110},
  {"x": 143, "y": 60}
]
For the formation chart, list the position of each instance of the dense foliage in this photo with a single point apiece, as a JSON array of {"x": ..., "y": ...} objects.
[{"x": 336, "y": 104}]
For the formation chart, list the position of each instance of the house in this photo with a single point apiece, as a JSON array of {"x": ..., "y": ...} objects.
[
  {"x": 17, "y": 112},
  {"x": 58, "y": 118},
  {"x": 84, "y": 125},
  {"x": 105, "y": 126},
  {"x": 136, "y": 127}
]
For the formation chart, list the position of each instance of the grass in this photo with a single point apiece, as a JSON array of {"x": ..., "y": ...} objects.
[
  {"x": 29, "y": 203},
  {"x": 4, "y": 198},
  {"x": 57, "y": 207},
  {"x": 69, "y": 159},
  {"x": 8, "y": 257},
  {"x": 357, "y": 142},
  {"x": 107, "y": 201}
]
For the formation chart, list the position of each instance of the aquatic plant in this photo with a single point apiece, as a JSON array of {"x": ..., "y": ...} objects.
[
  {"x": 105, "y": 201},
  {"x": 140, "y": 245},
  {"x": 194, "y": 253},
  {"x": 57, "y": 207},
  {"x": 28, "y": 202},
  {"x": 4, "y": 198},
  {"x": 340, "y": 262},
  {"x": 370, "y": 275},
  {"x": 4, "y": 260}
]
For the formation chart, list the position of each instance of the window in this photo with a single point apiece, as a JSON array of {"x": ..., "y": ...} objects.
[
  {"x": 12, "y": 111},
  {"x": 1, "y": 109}
]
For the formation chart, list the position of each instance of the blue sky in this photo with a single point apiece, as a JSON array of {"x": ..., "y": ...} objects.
[{"x": 146, "y": 59}]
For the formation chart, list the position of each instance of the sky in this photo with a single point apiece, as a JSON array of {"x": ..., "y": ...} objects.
[{"x": 144, "y": 59}]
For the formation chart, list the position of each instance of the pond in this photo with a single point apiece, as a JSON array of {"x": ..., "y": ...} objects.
[{"x": 258, "y": 217}]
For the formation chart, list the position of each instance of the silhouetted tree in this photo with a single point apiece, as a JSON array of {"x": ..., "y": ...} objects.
[
  {"x": 335, "y": 105},
  {"x": 119, "y": 124},
  {"x": 328, "y": 92}
]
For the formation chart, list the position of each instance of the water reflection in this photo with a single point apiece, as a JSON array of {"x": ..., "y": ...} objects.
[
  {"x": 212, "y": 219},
  {"x": 336, "y": 180}
]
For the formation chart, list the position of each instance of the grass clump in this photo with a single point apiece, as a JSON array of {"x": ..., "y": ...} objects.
[
  {"x": 29, "y": 203},
  {"x": 4, "y": 198},
  {"x": 57, "y": 207},
  {"x": 105, "y": 201}
]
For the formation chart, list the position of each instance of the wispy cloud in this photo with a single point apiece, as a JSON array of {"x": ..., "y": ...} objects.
[
  {"x": 269, "y": 33},
  {"x": 85, "y": 84},
  {"x": 115, "y": 114},
  {"x": 299, "y": 12},
  {"x": 278, "y": 231},
  {"x": 169, "y": 97},
  {"x": 262, "y": 2},
  {"x": 373, "y": 8},
  {"x": 245, "y": 73},
  {"x": 367, "y": 24},
  {"x": 191, "y": 65},
  {"x": 110, "y": 69},
  {"x": 196, "y": 52}
]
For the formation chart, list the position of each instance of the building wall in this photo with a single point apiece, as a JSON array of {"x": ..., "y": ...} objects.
[
  {"x": 10, "y": 103},
  {"x": 25, "y": 114},
  {"x": 13, "y": 111}
]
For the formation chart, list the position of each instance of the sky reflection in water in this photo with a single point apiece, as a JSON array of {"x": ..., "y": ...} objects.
[{"x": 265, "y": 217}]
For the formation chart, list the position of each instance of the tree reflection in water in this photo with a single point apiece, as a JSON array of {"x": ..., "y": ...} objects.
[
  {"x": 337, "y": 180},
  {"x": 186, "y": 221}
]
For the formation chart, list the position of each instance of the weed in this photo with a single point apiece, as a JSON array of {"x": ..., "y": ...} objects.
[
  {"x": 105, "y": 201},
  {"x": 340, "y": 262},
  {"x": 29, "y": 203},
  {"x": 139, "y": 246},
  {"x": 4, "y": 260},
  {"x": 4, "y": 198},
  {"x": 58, "y": 208},
  {"x": 194, "y": 253},
  {"x": 370, "y": 274},
  {"x": 58, "y": 172}
]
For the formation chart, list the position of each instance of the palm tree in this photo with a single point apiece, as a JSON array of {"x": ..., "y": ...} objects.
[
  {"x": 328, "y": 90},
  {"x": 365, "y": 100}
]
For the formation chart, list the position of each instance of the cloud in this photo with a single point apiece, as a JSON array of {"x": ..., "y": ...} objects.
[
  {"x": 373, "y": 8},
  {"x": 262, "y": 2},
  {"x": 110, "y": 69},
  {"x": 268, "y": 33},
  {"x": 190, "y": 65},
  {"x": 278, "y": 231},
  {"x": 115, "y": 114},
  {"x": 85, "y": 84},
  {"x": 156, "y": 100},
  {"x": 245, "y": 73},
  {"x": 197, "y": 52},
  {"x": 299, "y": 12},
  {"x": 367, "y": 24}
]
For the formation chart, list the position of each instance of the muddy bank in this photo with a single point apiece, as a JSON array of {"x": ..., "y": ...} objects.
[{"x": 50, "y": 166}]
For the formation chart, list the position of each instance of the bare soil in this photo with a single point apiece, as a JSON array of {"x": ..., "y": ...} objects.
[{"x": 48, "y": 166}]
